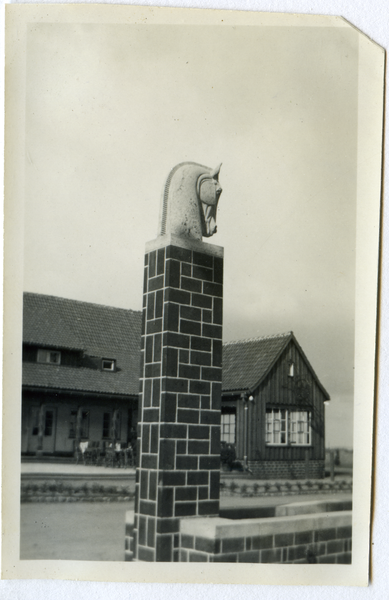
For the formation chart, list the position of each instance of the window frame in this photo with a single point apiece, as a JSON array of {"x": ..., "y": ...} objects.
[
  {"x": 228, "y": 413},
  {"x": 106, "y": 416},
  {"x": 44, "y": 356},
  {"x": 112, "y": 362},
  {"x": 294, "y": 420},
  {"x": 48, "y": 429}
]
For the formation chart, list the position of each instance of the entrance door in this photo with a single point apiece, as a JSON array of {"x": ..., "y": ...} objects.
[{"x": 49, "y": 420}]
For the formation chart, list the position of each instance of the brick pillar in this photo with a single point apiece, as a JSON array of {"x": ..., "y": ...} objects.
[{"x": 179, "y": 422}]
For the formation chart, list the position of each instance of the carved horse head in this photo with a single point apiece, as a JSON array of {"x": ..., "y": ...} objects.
[{"x": 189, "y": 201}]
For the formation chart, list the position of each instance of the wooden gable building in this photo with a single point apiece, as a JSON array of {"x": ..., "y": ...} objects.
[{"x": 273, "y": 407}]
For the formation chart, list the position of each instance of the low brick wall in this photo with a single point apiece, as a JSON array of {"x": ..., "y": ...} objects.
[
  {"x": 284, "y": 487},
  {"x": 319, "y": 538},
  {"x": 301, "y": 532},
  {"x": 284, "y": 469},
  {"x": 58, "y": 491},
  {"x": 63, "y": 490}
]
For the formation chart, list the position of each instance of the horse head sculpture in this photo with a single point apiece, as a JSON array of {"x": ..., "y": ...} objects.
[{"x": 189, "y": 201}]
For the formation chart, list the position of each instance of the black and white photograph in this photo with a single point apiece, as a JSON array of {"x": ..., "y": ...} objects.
[{"x": 192, "y": 271}]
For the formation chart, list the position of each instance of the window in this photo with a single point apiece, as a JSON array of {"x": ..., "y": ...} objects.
[
  {"x": 291, "y": 369},
  {"x": 52, "y": 357},
  {"x": 287, "y": 427},
  {"x": 49, "y": 421},
  {"x": 108, "y": 364},
  {"x": 84, "y": 424},
  {"x": 106, "y": 425},
  {"x": 300, "y": 427},
  {"x": 276, "y": 431},
  {"x": 228, "y": 426}
]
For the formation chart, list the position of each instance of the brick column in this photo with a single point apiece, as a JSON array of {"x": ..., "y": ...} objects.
[{"x": 179, "y": 427}]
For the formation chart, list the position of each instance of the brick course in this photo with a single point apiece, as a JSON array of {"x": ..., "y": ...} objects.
[{"x": 284, "y": 469}]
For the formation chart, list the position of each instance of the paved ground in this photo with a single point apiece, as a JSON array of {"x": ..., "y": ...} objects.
[
  {"x": 84, "y": 531},
  {"x": 52, "y": 469},
  {"x": 77, "y": 474},
  {"x": 79, "y": 531}
]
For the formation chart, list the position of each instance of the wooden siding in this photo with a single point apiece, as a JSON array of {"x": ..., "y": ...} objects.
[{"x": 279, "y": 390}]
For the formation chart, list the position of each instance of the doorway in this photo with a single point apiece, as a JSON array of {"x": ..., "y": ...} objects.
[{"x": 49, "y": 421}]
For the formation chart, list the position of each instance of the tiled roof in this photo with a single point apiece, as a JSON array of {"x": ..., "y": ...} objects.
[
  {"x": 246, "y": 362},
  {"x": 100, "y": 331},
  {"x": 108, "y": 332},
  {"x": 78, "y": 379}
]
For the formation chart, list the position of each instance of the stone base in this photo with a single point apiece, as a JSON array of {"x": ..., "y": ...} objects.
[{"x": 284, "y": 469}]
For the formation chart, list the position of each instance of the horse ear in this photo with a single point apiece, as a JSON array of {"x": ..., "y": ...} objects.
[{"x": 215, "y": 172}]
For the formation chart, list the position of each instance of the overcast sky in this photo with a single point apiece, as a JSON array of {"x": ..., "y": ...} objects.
[{"x": 110, "y": 109}]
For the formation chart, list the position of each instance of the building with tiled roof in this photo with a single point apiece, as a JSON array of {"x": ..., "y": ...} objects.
[
  {"x": 80, "y": 373},
  {"x": 81, "y": 382},
  {"x": 273, "y": 403},
  {"x": 247, "y": 362}
]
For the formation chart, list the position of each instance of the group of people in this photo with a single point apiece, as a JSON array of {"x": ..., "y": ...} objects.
[{"x": 111, "y": 454}]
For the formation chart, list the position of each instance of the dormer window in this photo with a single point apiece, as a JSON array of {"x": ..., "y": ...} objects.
[
  {"x": 108, "y": 364},
  {"x": 52, "y": 357}
]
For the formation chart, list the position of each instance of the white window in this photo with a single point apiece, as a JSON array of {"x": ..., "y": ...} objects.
[
  {"x": 52, "y": 357},
  {"x": 276, "y": 430},
  {"x": 228, "y": 426},
  {"x": 108, "y": 364},
  {"x": 286, "y": 427},
  {"x": 300, "y": 427}
]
